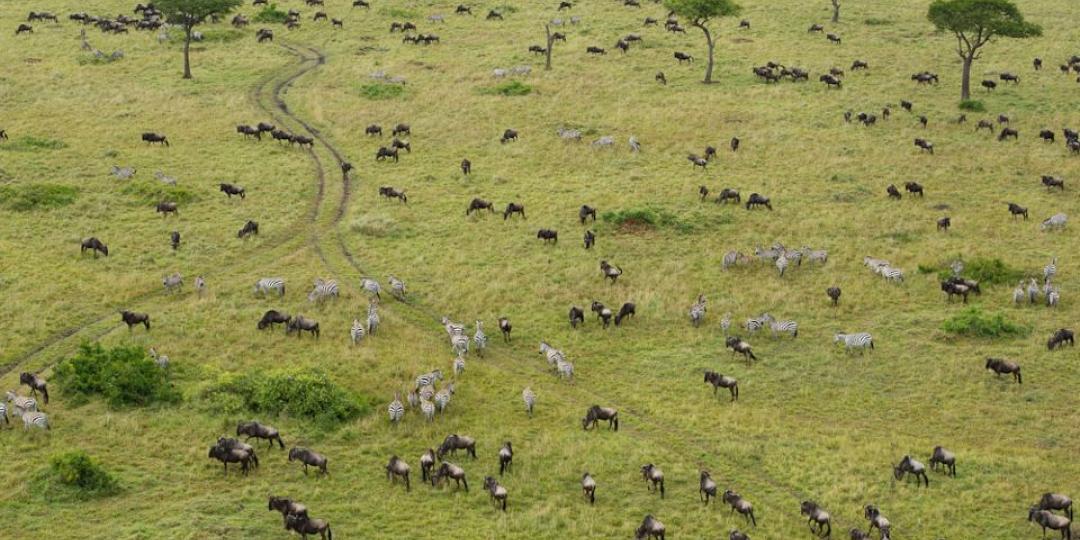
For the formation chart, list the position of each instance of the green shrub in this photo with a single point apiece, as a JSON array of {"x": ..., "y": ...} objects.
[
  {"x": 30, "y": 143},
  {"x": 400, "y": 13},
  {"x": 873, "y": 21},
  {"x": 972, "y": 322},
  {"x": 645, "y": 218},
  {"x": 972, "y": 105},
  {"x": 510, "y": 88},
  {"x": 27, "y": 197},
  {"x": 382, "y": 91},
  {"x": 73, "y": 476},
  {"x": 985, "y": 271},
  {"x": 148, "y": 192},
  {"x": 271, "y": 14},
  {"x": 123, "y": 376},
  {"x": 293, "y": 391}
]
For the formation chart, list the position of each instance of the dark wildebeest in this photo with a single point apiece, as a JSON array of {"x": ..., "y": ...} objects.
[
  {"x": 590, "y": 239},
  {"x": 392, "y": 193},
  {"x": 36, "y": 384},
  {"x": 830, "y": 80},
  {"x": 302, "y": 140},
  {"x": 174, "y": 240},
  {"x": 478, "y": 204},
  {"x": 150, "y": 138},
  {"x": 728, "y": 194},
  {"x": 597, "y": 413},
  {"x": 955, "y": 289},
  {"x": 1059, "y": 338},
  {"x": 738, "y": 345},
  {"x": 859, "y": 64},
  {"x": 1017, "y": 210},
  {"x": 233, "y": 455},
  {"x": 287, "y": 507},
  {"x": 1046, "y": 135},
  {"x": 466, "y": 167},
  {"x": 585, "y": 212},
  {"x": 595, "y": 50},
  {"x": 401, "y": 129},
  {"x": 272, "y": 317},
  {"x": 1048, "y": 520},
  {"x": 654, "y": 478},
  {"x": 509, "y": 135},
  {"x": 1037, "y": 63},
  {"x": 427, "y": 465},
  {"x": 944, "y": 223},
  {"x": 449, "y": 470},
  {"x": 650, "y": 528},
  {"x": 249, "y": 131},
  {"x": 1008, "y": 132},
  {"x": 249, "y": 228},
  {"x": 910, "y": 466},
  {"x": 132, "y": 318},
  {"x": 906, "y": 105},
  {"x": 307, "y": 457},
  {"x": 740, "y": 505},
  {"x": 513, "y": 208},
  {"x": 925, "y": 145},
  {"x": 661, "y": 78},
  {"x": 301, "y": 324},
  {"x": 166, "y": 208},
  {"x": 602, "y": 312},
  {"x": 397, "y": 467},
  {"x": 698, "y": 161},
  {"x": 306, "y": 526},
  {"x": 454, "y": 442},
  {"x": 872, "y": 513},
  {"x": 833, "y": 38},
  {"x": 492, "y": 15},
  {"x": 95, "y": 246},
  {"x": 505, "y": 327},
  {"x": 259, "y": 431},
  {"x": 817, "y": 515},
  {"x": 622, "y": 46},
  {"x": 628, "y": 309},
  {"x": 1056, "y": 501},
  {"x": 361, "y": 3},
  {"x": 373, "y": 129},
  {"x": 744, "y": 24},
  {"x": 384, "y": 153},
  {"x": 734, "y": 144},
  {"x": 548, "y": 235},
  {"x": 230, "y": 190},
  {"x": 3, "y": 135},
  {"x": 610, "y": 271},
  {"x": 718, "y": 381},
  {"x": 756, "y": 200},
  {"x": 914, "y": 188},
  {"x": 816, "y": 28},
  {"x": 577, "y": 316},
  {"x": 463, "y": 9},
  {"x": 683, "y": 57},
  {"x": 1009, "y": 77},
  {"x": 893, "y": 192},
  {"x": 1051, "y": 182},
  {"x": 24, "y": 28},
  {"x": 945, "y": 459},
  {"x": 989, "y": 85},
  {"x": 834, "y": 294},
  {"x": 264, "y": 127},
  {"x": 984, "y": 124}
]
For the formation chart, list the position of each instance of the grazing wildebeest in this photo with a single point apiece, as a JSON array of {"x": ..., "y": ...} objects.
[
  {"x": 1059, "y": 338},
  {"x": 384, "y": 153},
  {"x": 893, "y": 192},
  {"x": 756, "y": 200},
  {"x": 944, "y": 223},
  {"x": 287, "y": 507},
  {"x": 1052, "y": 182},
  {"x": 985, "y": 124},
  {"x": 738, "y": 345},
  {"x": 401, "y": 129},
  {"x": 95, "y": 246},
  {"x": 272, "y": 317},
  {"x": 454, "y": 442},
  {"x": 718, "y": 381},
  {"x": 628, "y": 309},
  {"x": 834, "y": 294},
  {"x": 661, "y": 78},
  {"x": 1017, "y": 210},
  {"x": 361, "y": 3},
  {"x": 249, "y": 228},
  {"x": 622, "y": 46},
  {"x": 449, "y": 470},
  {"x": 230, "y": 190},
  {"x": 249, "y": 131},
  {"x": 925, "y": 145},
  {"x": 683, "y": 57},
  {"x": 1048, "y": 520},
  {"x": 859, "y": 64},
  {"x": 744, "y": 24},
  {"x": 498, "y": 493},
  {"x": 150, "y": 138},
  {"x": 706, "y": 487},
  {"x": 36, "y": 384},
  {"x": 650, "y": 528},
  {"x": 590, "y": 239},
  {"x": 585, "y": 212},
  {"x": 463, "y": 9},
  {"x": 955, "y": 289},
  {"x": 989, "y": 85},
  {"x": 654, "y": 478},
  {"x": 306, "y": 526},
  {"x": 1009, "y": 77},
  {"x": 876, "y": 519},
  {"x": 945, "y": 459},
  {"x": 597, "y": 413},
  {"x": 24, "y": 28},
  {"x": 234, "y": 455},
  {"x": 513, "y": 208},
  {"x": 816, "y": 28},
  {"x": 509, "y": 135},
  {"x": 577, "y": 316},
  {"x": 537, "y": 49},
  {"x": 833, "y": 38},
  {"x": 740, "y": 505},
  {"x": 592, "y": 49},
  {"x": 392, "y": 193},
  {"x": 610, "y": 271},
  {"x": 309, "y": 457},
  {"x": 478, "y": 204},
  {"x": 830, "y": 80},
  {"x": 602, "y": 312},
  {"x": 1046, "y": 135},
  {"x": 910, "y": 466},
  {"x": 548, "y": 235},
  {"x": 817, "y": 516},
  {"x": 174, "y": 240},
  {"x": 166, "y": 208},
  {"x": 373, "y": 129},
  {"x": 259, "y": 431},
  {"x": 1056, "y": 501},
  {"x": 301, "y": 324},
  {"x": 914, "y": 188},
  {"x": 132, "y": 318},
  {"x": 3, "y": 135},
  {"x": 698, "y": 161},
  {"x": 1008, "y": 132},
  {"x": 492, "y": 14},
  {"x": 728, "y": 194}
]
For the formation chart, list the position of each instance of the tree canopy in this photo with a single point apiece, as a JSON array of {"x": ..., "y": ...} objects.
[
  {"x": 702, "y": 10},
  {"x": 975, "y": 22},
  {"x": 192, "y": 12}
]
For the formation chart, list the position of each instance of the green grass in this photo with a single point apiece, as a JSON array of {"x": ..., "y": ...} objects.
[
  {"x": 30, "y": 143},
  {"x": 381, "y": 91},
  {"x": 509, "y": 88},
  {"x": 811, "y": 421},
  {"x": 973, "y": 105},
  {"x": 29, "y": 197}
]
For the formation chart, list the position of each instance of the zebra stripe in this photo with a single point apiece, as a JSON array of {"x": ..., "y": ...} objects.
[
  {"x": 357, "y": 331},
  {"x": 452, "y": 328},
  {"x": 480, "y": 339},
  {"x": 3, "y": 413},
  {"x": 1033, "y": 291},
  {"x": 861, "y": 340},
  {"x": 372, "y": 318},
  {"x": 396, "y": 410},
  {"x": 529, "y": 398},
  {"x": 370, "y": 285},
  {"x": 21, "y": 404},
  {"x": 1056, "y": 221},
  {"x": 1050, "y": 270},
  {"x": 725, "y": 323},
  {"x": 427, "y": 392},
  {"x": 554, "y": 356},
  {"x": 697, "y": 311},
  {"x": 173, "y": 283},
  {"x": 459, "y": 344},
  {"x": 815, "y": 255},
  {"x": 564, "y": 369},
  {"x": 161, "y": 360},
  {"x": 428, "y": 409},
  {"x": 36, "y": 419},
  {"x": 731, "y": 258},
  {"x": 782, "y": 264},
  {"x": 397, "y": 287},
  {"x": 414, "y": 399},
  {"x": 1019, "y": 293},
  {"x": 442, "y": 397},
  {"x": 323, "y": 290},
  {"x": 429, "y": 379},
  {"x": 266, "y": 285},
  {"x": 784, "y": 327},
  {"x": 753, "y": 325},
  {"x": 200, "y": 285},
  {"x": 1052, "y": 298},
  {"x": 891, "y": 274},
  {"x": 459, "y": 366}
]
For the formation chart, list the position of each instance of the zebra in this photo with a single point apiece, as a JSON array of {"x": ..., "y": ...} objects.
[
  {"x": 782, "y": 264},
  {"x": 459, "y": 366},
  {"x": 553, "y": 355},
  {"x": 372, "y": 317},
  {"x": 452, "y": 328},
  {"x": 725, "y": 323},
  {"x": 21, "y": 404},
  {"x": 480, "y": 339},
  {"x": 564, "y": 369},
  {"x": 783, "y": 327},
  {"x": 766, "y": 254},
  {"x": 1056, "y": 221},
  {"x": 371, "y": 286},
  {"x": 459, "y": 344},
  {"x": 697, "y": 311},
  {"x": 414, "y": 399},
  {"x": 427, "y": 392},
  {"x": 3, "y": 413},
  {"x": 892, "y": 274},
  {"x": 396, "y": 410},
  {"x": 173, "y": 283},
  {"x": 815, "y": 255},
  {"x": 36, "y": 419},
  {"x": 635, "y": 146},
  {"x": 266, "y": 285},
  {"x": 1033, "y": 291},
  {"x": 957, "y": 267},
  {"x": 357, "y": 331},
  {"x": 428, "y": 409},
  {"x": 873, "y": 263},
  {"x": 860, "y": 341},
  {"x": 397, "y": 287},
  {"x": 1019, "y": 293},
  {"x": 200, "y": 286},
  {"x": 529, "y": 397},
  {"x": 323, "y": 290},
  {"x": 1050, "y": 270},
  {"x": 1052, "y": 297},
  {"x": 429, "y": 379},
  {"x": 161, "y": 360},
  {"x": 753, "y": 325},
  {"x": 731, "y": 258},
  {"x": 442, "y": 397}
]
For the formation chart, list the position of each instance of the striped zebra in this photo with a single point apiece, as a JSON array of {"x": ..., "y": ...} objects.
[
  {"x": 426, "y": 392},
  {"x": 891, "y": 274},
  {"x": 371, "y": 286},
  {"x": 265, "y": 285},
  {"x": 755, "y": 324},
  {"x": 357, "y": 331},
  {"x": 36, "y": 419},
  {"x": 725, "y": 323},
  {"x": 1019, "y": 293},
  {"x": 397, "y": 287},
  {"x": 1056, "y": 221},
  {"x": 428, "y": 409},
  {"x": 396, "y": 410},
  {"x": 161, "y": 360},
  {"x": 564, "y": 369},
  {"x": 697, "y": 311},
  {"x": 860, "y": 341},
  {"x": 413, "y": 399},
  {"x": 732, "y": 258},
  {"x": 200, "y": 286},
  {"x": 452, "y": 328},
  {"x": 529, "y": 397},
  {"x": 442, "y": 397},
  {"x": 873, "y": 263},
  {"x": 173, "y": 283},
  {"x": 3, "y": 413},
  {"x": 459, "y": 366},
  {"x": 372, "y": 318},
  {"x": 766, "y": 254},
  {"x": 957, "y": 267},
  {"x": 1033, "y": 291},
  {"x": 552, "y": 354},
  {"x": 459, "y": 344},
  {"x": 322, "y": 290},
  {"x": 429, "y": 379},
  {"x": 480, "y": 338},
  {"x": 1050, "y": 270},
  {"x": 21, "y": 404},
  {"x": 815, "y": 255},
  {"x": 793, "y": 255},
  {"x": 1052, "y": 297},
  {"x": 782, "y": 264},
  {"x": 783, "y": 327}
]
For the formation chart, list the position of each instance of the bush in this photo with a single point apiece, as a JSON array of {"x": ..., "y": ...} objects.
[
  {"x": 293, "y": 391},
  {"x": 873, "y": 21},
  {"x": 147, "y": 192},
  {"x": 123, "y": 376},
  {"x": 74, "y": 475},
  {"x": 27, "y": 197},
  {"x": 30, "y": 143},
  {"x": 635, "y": 219},
  {"x": 271, "y": 14},
  {"x": 382, "y": 91},
  {"x": 511, "y": 88},
  {"x": 972, "y": 105},
  {"x": 972, "y": 322},
  {"x": 985, "y": 271}
]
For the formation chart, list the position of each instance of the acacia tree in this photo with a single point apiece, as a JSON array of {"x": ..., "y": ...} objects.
[
  {"x": 189, "y": 13},
  {"x": 835, "y": 10},
  {"x": 550, "y": 45},
  {"x": 975, "y": 23},
  {"x": 700, "y": 12}
]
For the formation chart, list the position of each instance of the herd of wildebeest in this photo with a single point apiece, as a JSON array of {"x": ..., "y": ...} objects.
[{"x": 1050, "y": 511}]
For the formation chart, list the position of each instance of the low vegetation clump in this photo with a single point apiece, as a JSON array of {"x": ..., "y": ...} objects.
[
  {"x": 985, "y": 271},
  {"x": 123, "y": 376},
  {"x": 29, "y": 197},
  {"x": 147, "y": 192},
  {"x": 972, "y": 105},
  {"x": 74, "y": 475},
  {"x": 30, "y": 143},
  {"x": 874, "y": 21},
  {"x": 270, "y": 14},
  {"x": 296, "y": 392},
  {"x": 639, "y": 219},
  {"x": 382, "y": 91},
  {"x": 972, "y": 322},
  {"x": 375, "y": 226},
  {"x": 510, "y": 88}
]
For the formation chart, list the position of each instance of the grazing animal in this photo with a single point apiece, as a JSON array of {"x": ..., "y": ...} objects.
[
  {"x": 833, "y": 38},
  {"x": 151, "y": 138},
  {"x": 756, "y": 200},
  {"x": 602, "y": 312},
  {"x": 661, "y": 78},
  {"x": 596, "y": 413},
  {"x": 396, "y": 410},
  {"x": 588, "y": 487},
  {"x": 230, "y": 190},
  {"x": 548, "y": 235},
  {"x": 945, "y": 459},
  {"x": 697, "y": 311},
  {"x": 893, "y": 192},
  {"x": 95, "y": 246},
  {"x": 872, "y": 513},
  {"x": 683, "y": 57},
  {"x": 466, "y": 167},
  {"x": 738, "y": 345},
  {"x": 529, "y": 397},
  {"x": 36, "y": 384},
  {"x": 830, "y": 81},
  {"x": 308, "y": 457},
  {"x": 397, "y": 467},
  {"x": 506, "y": 457},
  {"x": 227, "y": 456},
  {"x": 132, "y": 318},
  {"x": 373, "y": 129},
  {"x": 955, "y": 289},
  {"x": 449, "y": 470},
  {"x": 914, "y": 188},
  {"x": 833, "y": 294},
  {"x": 728, "y": 194},
  {"x": 478, "y": 204},
  {"x": 718, "y": 381},
  {"x": 454, "y": 442},
  {"x": 384, "y": 153},
  {"x": 166, "y": 208},
  {"x": 1056, "y": 221},
  {"x": 390, "y": 192},
  {"x": 174, "y": 240},
  {"x": 650, "y": 528},
  {"x": 944, "y": 223},
  {"x": 1052, "y": 182},
  {"x": 706, "y": 487},
  {"x": 740, "y": 505},
  {"x": 592, "y": 49},
  {"x": 585, "y": 212},
  {"x": 989, "y": 85},
  {"x": 250, "y": 228},
  {"x": 1060, "y": 338},
  {"x": 480, "y": 338},
  {"x": 498, "y": 493},
  {"x": 1047, "y": 135},
  {"x": 287, "y": 507},
  {"x": 577, "y": 316},
  {"x": 301, "y": 324},
  {"x": 322, "y": 290},
  {"x": 259, "y": 431},
  {"x": 861, "y": 341},
  {"x": 1008, "y": 132},
  {"x": 817, "y": 516},
  {"x": 590, "y": 239},
  {"x": 265, "y": 285},
  {"x": 925, "y": 145},
  {"x": 610, "y": 271},
  {"x": 654, "y": 478},
  {"x": 910, "y": 466},
  {"x": 1017, "y": 210},
  {"x": 628, "y": 309},
  {"x": 1056, "y": 501},
  {"x": 175, "y": 282},
  {"x": 306, "y": 526},
  {"x": 20, "y": 405},
  {"x": 1048, "y": 520},
  {"x": 985, "y": 124},
  {"x": 509, "y": 135}
]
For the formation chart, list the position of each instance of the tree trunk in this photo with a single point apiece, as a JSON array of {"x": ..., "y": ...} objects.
[
  {"x": 965, "y": 84},
  {"x": 187, "y": 47},
  {"x": 547, "y": 29},
  {"x": 712, "y": 46},
  {"x": 835, "y": 11}
]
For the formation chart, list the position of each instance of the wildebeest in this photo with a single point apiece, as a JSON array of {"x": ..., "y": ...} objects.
[
  {"x": 249, "y": 131},
  {"x": 738, "y": 345},
  {"x": 833, "y": 38},
  {"x": 306, "y": 526},
  {"x": 817, "y": 516},
  {"x": 463, "y": 9},
  {"x": 492, "y": 15},
  {"x": 596, "y": 413},
  {"x": 610, "y": 271},
  {"x": 833, "y": 294},
  {"x": 945, "y": 459},
  {"x": 683, "y": 57},
  {"x": 585, "y": 212},
  {"x": 373, "y": 129},
  {"x": 36, "y": 384},
  {"x": 876, "y": 519},
  {"x": 301, "y": 324},
  {"x": 893, "y": 192},
  {"x": 698, "y": 161},
  {"x": 650, "y": 528},
  {"x": 230, "y": 190},
  {"x": 1017, "y": 210},
  {"x": 509, "y": 135},
  {"x": 95, "y": 246},
  {"x": 548, "y": 235},
  {"x": 449, "y": 470},
  {"x": 24, "y": 28},
  {"x": 590, "y": 239},
  {"x": 259, "y": 431},
  {"x": 654, "y": 478},
  {"x": 233, "y": 455},
  {"x": 944, "y": 223},
  {"x": 401, "y": 129},
  {"x": 478, "y": 204},
  {"x": 132, "y": 318},
  {"x": 1056, "y": 501},
  {"x": 718, "y": 381},
  {"x": 506, "y": 457},
  {"x": 1048, "y": 520},
  {"x": 859, "y": 64},
  {"x": 910, "y": 466},
  {"x": 706, "y": 487},
  {"x": 816, "y": 28},
  {"x": 1053, "y": 182},
  {"x": 740, "y": 505},
  {"x": 1008, "y": 132},
  {"x": 577, "y": 316},
  {"x": 728, "y": 194},
  {"x": 287, "y": 507},
  {"x": 925, "y": 145},
  {"x": 150, "y": 138},
  {"x": 985, "y": 124},
  {"x": 628, "y": 309},
  {"x": 988, "y": 84},
  {"x": 174, "y": 240},
  {"x": 1037, "y": 63},
  {"x": 392, "y": 193},
  {"x": 307, "y": 457},
  {"x": 166, "y": 208},
  {"x": 384, "y": 153},
  {"x": 592, "y": 49},
  {"x": 830, "y": 80},
  {"x": 249, "y": 228},
  {"x": 906, "y": 105},
  {"x": 1009, "y": 77},
  {"x": 498, "y": 493},
  {"x": 1046, "y": 135},
  {"x": 661, "y": 78},
  {"x": 588, "y": 487},
  {"x": 454, "y": 442},
  {"x": 1059, "y": 338},
  {"x": 602, "y": 312},
  {"x": 513, "y": 208},
  {"x": 756, "y": 200},
  {"x": 272, "y": 317}
]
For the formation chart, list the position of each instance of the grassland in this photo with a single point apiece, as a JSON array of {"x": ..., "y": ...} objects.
[{"x": 812, "y": 422}]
